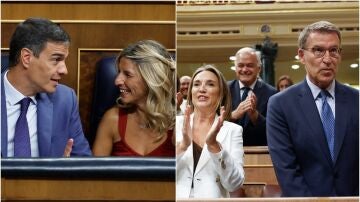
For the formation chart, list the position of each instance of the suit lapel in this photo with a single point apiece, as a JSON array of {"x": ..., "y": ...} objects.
[
  {"x": 311, "y": 114},
  {"x": 4, "y": 132},
  {"x": 341, "y": 110},
  {"x": 44, "y": 123},
  {"x": 204, "y": 158},
  {"x": 236, "y": 98}
]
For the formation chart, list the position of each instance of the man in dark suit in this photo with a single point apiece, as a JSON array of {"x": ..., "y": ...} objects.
[
  {"x": 313, "y": 127},
  {"x": 250, "y": 96},
  {"x": 39, "y": 116}
]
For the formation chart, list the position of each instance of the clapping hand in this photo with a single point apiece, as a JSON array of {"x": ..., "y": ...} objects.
[
  {"x": 186, "y": 131},
  {"x": 179, "y": 99},
  {"x": 252, "y": 112},
  {"x": 242, "y": 108},
  {"x": 213, "y": 145}
]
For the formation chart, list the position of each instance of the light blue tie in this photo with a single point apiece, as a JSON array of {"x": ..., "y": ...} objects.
[{"x": 328, "y": 121}]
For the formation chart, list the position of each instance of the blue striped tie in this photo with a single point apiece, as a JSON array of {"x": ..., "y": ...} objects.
[
  {"x": 328, "y": 121},
  {"x": 22, "y": 137}
]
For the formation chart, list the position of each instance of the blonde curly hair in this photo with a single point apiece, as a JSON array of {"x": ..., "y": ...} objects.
[{"x": 157, "y": 68}]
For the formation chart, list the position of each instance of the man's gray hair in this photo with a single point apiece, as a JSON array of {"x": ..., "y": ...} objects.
[
  {"x": 248, "y": 50},
  {"x": 322, "y": 27}
]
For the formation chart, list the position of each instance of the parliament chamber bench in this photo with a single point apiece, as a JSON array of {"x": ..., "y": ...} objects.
[
  {"x": 111, "y": 178},
  {"x": 292, "y": 199},
  {"x": 260, "y": 179}
]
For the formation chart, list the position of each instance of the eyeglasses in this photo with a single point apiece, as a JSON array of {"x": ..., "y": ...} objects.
[{"x": 319, "y": 52}]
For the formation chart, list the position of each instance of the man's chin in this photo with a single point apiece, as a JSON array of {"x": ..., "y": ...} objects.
[
  {"x": 246, "y": 81},
  {"x": 51, "y": 89}
]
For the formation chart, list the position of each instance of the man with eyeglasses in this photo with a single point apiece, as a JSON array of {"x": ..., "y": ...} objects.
[
  {"x": 313, "y": 126},
  {"x": 39, "y": 116}
]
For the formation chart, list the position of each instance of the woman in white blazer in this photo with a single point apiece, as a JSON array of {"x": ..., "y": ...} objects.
[{"x": 209, "y": 149}]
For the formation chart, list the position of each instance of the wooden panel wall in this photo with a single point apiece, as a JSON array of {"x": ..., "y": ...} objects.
[
  {"x": 86, "y": 189},
  {"x": 94, "y": 25},
  {"x": 72, "y": 10}
]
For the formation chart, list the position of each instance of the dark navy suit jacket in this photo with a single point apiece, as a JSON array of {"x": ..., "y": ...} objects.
[
  {"x": 57, "y": 120},
  {"x": 253, "y": 135},
  {"x": 298, "y": 146}
]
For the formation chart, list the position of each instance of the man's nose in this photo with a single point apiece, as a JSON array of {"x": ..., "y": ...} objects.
[
  {"x": 63, "y": 69},
  {"x": 327, "y": 58}
]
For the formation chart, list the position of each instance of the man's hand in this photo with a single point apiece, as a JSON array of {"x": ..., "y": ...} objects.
[
  {"x": 252, "y": 112},
  {"x": 179, "y": 99},
  {"x": 68, "y": 147},
  {"x": 242, "y": 108}
]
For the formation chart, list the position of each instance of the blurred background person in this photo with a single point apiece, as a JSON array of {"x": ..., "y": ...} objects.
[
  {"x": 184, "y": 87},
  {"x": 40, "y": 117},
  {"x": 143, "y": 122},
  {"x": 209, "y": 148},
  {"x": 179, "y": 97},
  {"x": 250, "y": 96},
  {"x": 284, "y": 82}
]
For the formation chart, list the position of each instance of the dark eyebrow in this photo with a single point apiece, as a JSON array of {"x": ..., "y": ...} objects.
[{"x": 206, "y": 81}]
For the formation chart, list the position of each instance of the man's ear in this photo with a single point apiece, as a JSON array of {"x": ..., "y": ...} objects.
[
  {"x": 301, "y": 55},
  {"x": 25, "y": 57}
]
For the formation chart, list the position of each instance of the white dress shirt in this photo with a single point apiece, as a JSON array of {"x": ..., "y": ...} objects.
[
  {"x": 252, "y": 86},
  {"x": 13, "y": 96}
]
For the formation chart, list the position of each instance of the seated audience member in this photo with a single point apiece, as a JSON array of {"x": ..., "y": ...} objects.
[
  {"x": 179, "y": 97},
  {"x": 184, "y": 87},
  {"x": 209, "y": 149},
  {"x": 39, "y": 116},
  {"x": 313, "y": 127},
  {"x": 284, "y": 82},
  {"x": 142, "y": 124},
  {"x": 250, "y": 96}
]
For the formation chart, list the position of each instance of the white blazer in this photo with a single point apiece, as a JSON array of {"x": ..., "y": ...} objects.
[{"x": 216, "y": 174}]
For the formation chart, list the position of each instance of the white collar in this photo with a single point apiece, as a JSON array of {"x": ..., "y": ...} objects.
[
  {"x": 13, "y": 96},
  {"x": 315, "y": 90},
  {"x": 252, "y": 86}
]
